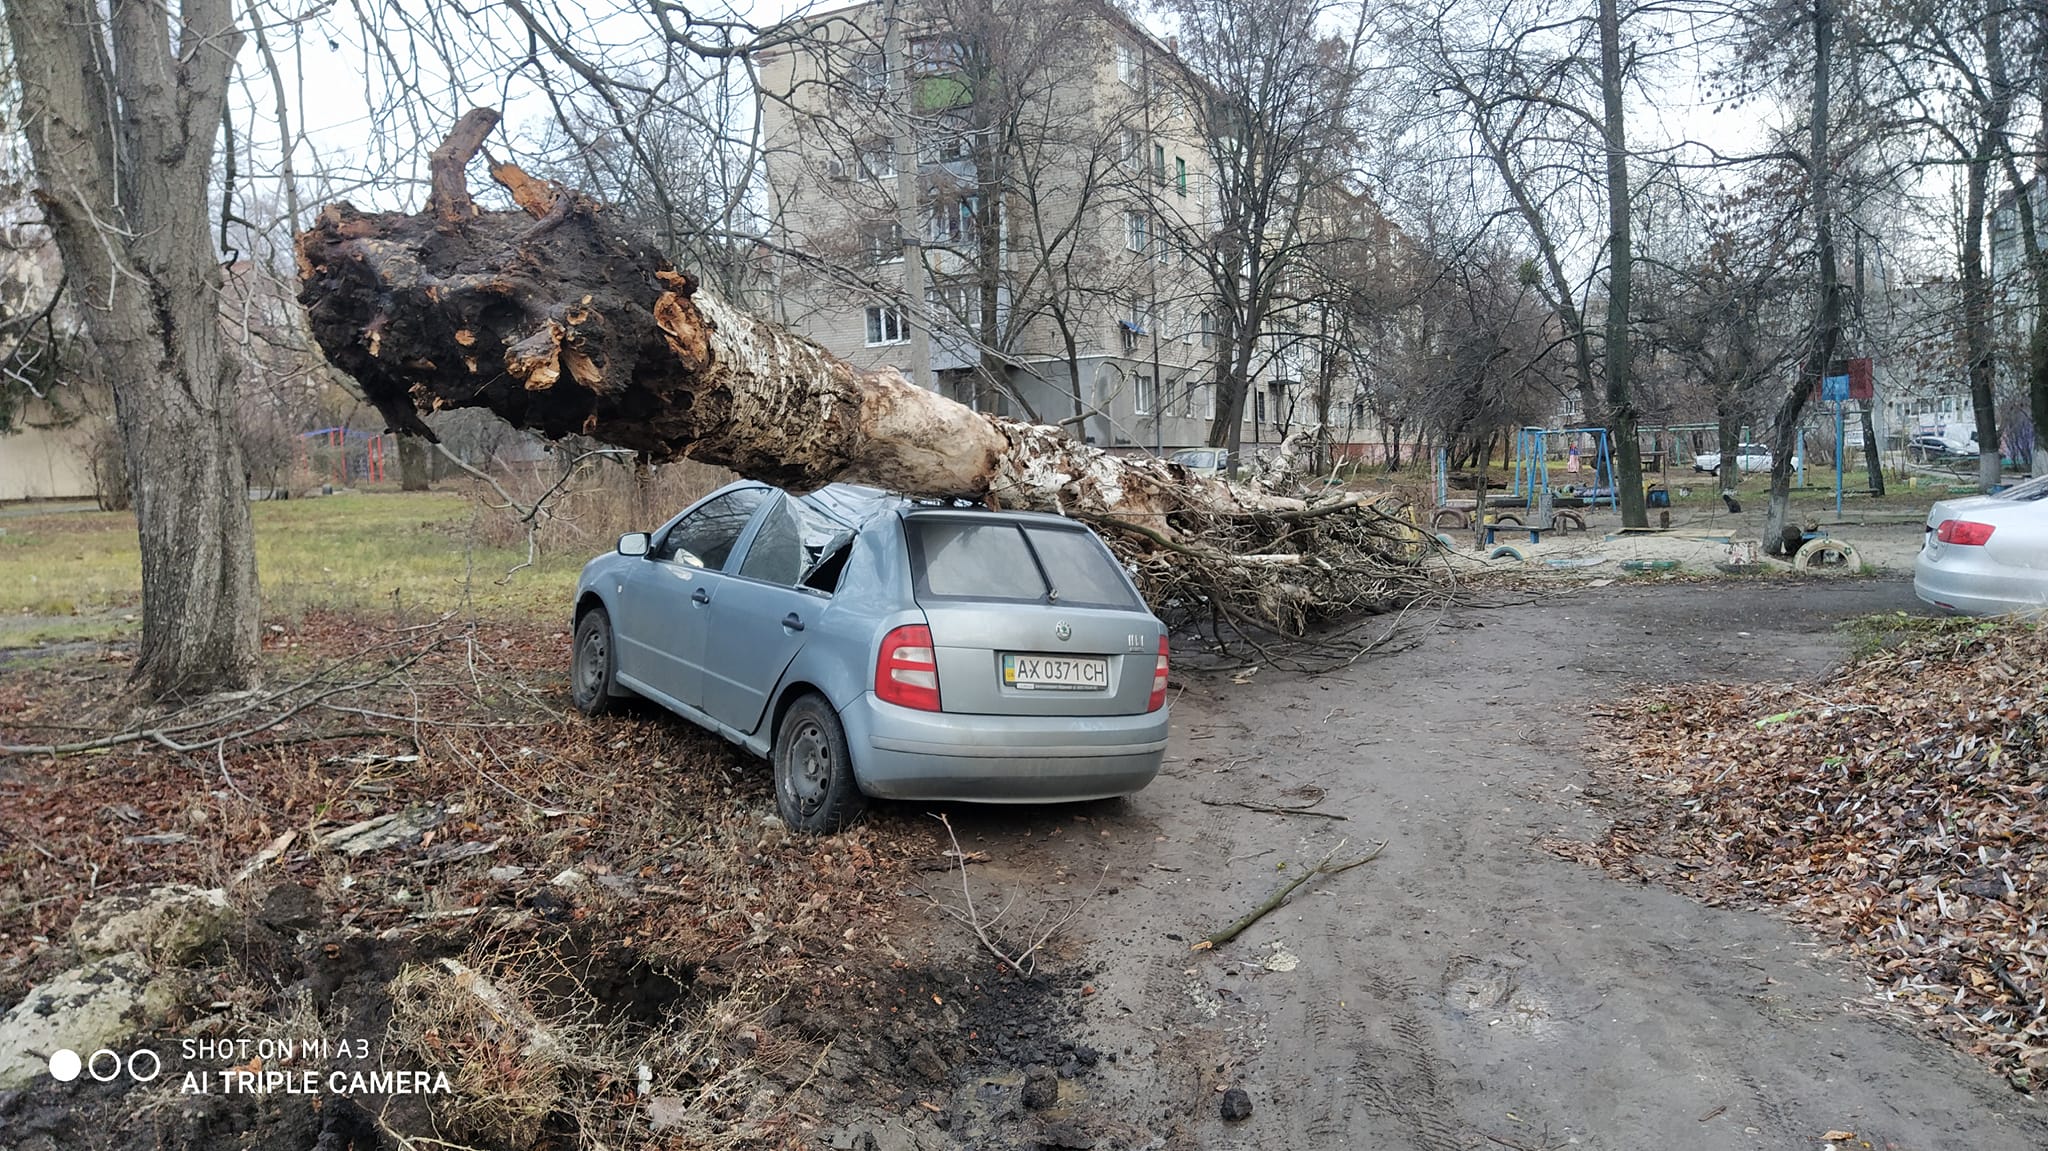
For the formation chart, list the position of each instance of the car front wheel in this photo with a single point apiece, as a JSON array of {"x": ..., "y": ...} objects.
[
  {"x": 814, "y": 786},
  {"x": 592, "y": 664}
]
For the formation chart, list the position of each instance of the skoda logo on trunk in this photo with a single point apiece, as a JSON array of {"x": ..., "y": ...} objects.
[{"x": 1062, "y": 631}]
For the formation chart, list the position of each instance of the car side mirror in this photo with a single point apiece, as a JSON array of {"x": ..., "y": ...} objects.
[{"x": 633, "y": 544}]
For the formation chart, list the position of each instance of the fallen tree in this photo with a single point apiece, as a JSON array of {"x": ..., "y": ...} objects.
[{"x": 552, "y": 319}]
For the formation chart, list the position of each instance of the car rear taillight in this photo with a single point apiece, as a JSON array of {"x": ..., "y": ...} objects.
[
  {"x": 907, "y": 671},
  {"x": 1158, "y": 699},
  {"x": 1963, "y": 533}
]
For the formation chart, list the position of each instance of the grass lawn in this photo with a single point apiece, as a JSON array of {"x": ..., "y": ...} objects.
[{"x": 77, "y": 576}]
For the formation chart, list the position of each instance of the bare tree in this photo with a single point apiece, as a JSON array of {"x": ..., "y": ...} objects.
[
  {"x": 1540, "y": 93},
  {"x": 1726, "y": 298},
  {"x": 1277, "y": 83},
  {"x": 122, "y": 104}
]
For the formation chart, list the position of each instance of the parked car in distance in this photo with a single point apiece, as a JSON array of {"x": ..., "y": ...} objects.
[
  {"x": 868, "y": 645},
  {"x": 1203, "y": 461},
  {"x": 1927, "y": 449},
  {"x": 1987, "y": 555},
  {"x": 1748, "y": 458}
]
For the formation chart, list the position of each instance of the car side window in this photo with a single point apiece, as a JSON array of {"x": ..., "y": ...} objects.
[
  {"x": 705, "y": 537},
  {"x": 777, "y": 554},
  {"x": 794, "y": 541}
]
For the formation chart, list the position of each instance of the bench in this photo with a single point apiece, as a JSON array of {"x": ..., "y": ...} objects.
[{"x": 1535, "y": 531}]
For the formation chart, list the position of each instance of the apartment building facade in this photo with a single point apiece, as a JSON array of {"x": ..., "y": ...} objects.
[{"x": 1062, "y": 201}]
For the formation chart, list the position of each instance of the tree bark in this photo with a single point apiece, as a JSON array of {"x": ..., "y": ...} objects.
[
  {"x": 563, "y": 327},
  {"x": 1977, "y": 316},
  {"x": 121, "y": 124},
  {"x": 1621, "y": 405},
  {"x": 1828, "y": 325},
  {"x": 415, "y": 464}
]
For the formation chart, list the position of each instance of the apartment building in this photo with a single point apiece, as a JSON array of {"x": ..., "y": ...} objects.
[{"x": 1039, "y": 166}]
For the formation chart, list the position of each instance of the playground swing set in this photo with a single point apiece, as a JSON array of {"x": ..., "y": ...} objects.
[{"x": 338, "y": 455}]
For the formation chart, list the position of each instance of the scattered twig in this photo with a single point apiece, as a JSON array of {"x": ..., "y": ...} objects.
[
  {"x": 1023, "y": 962},
  {"x": 1325, "y": 867},
  {"x": 1272, "y": 809},
  {"x": 166, "y": 736}
]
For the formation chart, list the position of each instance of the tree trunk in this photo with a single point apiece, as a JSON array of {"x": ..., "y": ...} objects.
[
  {"x": 415, "y": 464},
  {"x": 1728, "y": 436},
  {"x": 558, "y": 325},
  {"x": 1827, "y": 329},
  {"x": 127, "y": 197},
  {"x": 1621, "y": 405},
  {"x": 1873, "y": 456},
  {"x": 1977, "y": 316}
]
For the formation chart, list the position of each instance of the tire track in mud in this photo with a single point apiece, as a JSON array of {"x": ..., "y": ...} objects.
[
  {"x": 1364, "y": 1061},
  {"x": 1400, "y": 1077}
]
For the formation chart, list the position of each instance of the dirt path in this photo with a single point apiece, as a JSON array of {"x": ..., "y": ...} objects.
[{"x": 1468, "y": 989}]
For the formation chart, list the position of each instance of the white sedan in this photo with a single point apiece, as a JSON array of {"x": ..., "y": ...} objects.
[
  {"x": 1987, "y": 555},
  {"x": 1748, "y": 458}
]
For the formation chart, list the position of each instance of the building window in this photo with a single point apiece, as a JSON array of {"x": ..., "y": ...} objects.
[
  {"x": 1134, "y": 145},
  {"x": 886, "y": 326},
  {"x": 1208, "y": 329},
  {"x": 1148, "y": 395},
  {"x": 1128, "y": 68},
  {"x": 877, "y": 159},
  {"x": 1138, "y": 325},
  {"x": 884, "y": 243},
  {"x": 1159, "y": 162},
  {"x": 1208, "y": 401},
  {"x": 1258, "y": 408},
  {"x": 1137, "y": 231},
  {"x": 948, "y": 140},
  {"x": 956, "y": 301},
  {"x": 951, "y": 223},
  {"x": 871, "y": 72},
  {"x": 936, "y": 55},
  {"x": 1180, "y": 175}
]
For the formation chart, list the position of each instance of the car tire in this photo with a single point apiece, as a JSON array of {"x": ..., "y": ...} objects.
[
  {"x": 593, "y": 664},
  {"x": 815, "y": 791}
]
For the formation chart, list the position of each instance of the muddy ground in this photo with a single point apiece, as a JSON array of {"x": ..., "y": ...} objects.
[
  {"x": 1468, "y": 988},
  {"x": 1465, "y": 989}
]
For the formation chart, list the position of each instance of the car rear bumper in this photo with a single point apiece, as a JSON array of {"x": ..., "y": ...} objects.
[
  {"x": 899, "y": 753},
  {"x": 1954, "y": 584}
]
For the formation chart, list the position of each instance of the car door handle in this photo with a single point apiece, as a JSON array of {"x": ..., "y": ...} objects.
[
  {"x": 793, "y": 622},
  {"x": 701, "y": 595}
]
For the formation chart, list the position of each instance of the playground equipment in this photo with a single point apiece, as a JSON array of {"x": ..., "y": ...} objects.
[
  {"x": 1532, "y": 466},
  {"x": 342, "y": 454}
]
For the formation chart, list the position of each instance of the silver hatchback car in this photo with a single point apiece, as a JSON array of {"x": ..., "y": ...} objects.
[{"x": 869, "y": 645}]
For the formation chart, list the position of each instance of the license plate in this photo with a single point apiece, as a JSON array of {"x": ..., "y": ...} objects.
[{"x": 1055, "y": 672}]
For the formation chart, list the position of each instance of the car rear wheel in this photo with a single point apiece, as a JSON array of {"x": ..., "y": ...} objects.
[
  {"x": 814, "y": 786},
  {"x": 592, "y": 667}
]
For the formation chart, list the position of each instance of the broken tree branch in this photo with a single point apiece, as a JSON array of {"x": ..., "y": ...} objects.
[
  {"x": 1278, "y": 897},
  {"x": 1273, "y": 809},
  {"x": 449, "y": 200}
]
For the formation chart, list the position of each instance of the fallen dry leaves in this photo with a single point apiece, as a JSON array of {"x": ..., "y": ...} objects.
[
  {"x": 1898, "y": 803},
  {"x": 669, "y": 830}
]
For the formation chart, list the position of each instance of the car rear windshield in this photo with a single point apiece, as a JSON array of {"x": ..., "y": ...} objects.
[
  {"x": 2028, "y": 492},
  {"x": 959, "y": 559}
]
